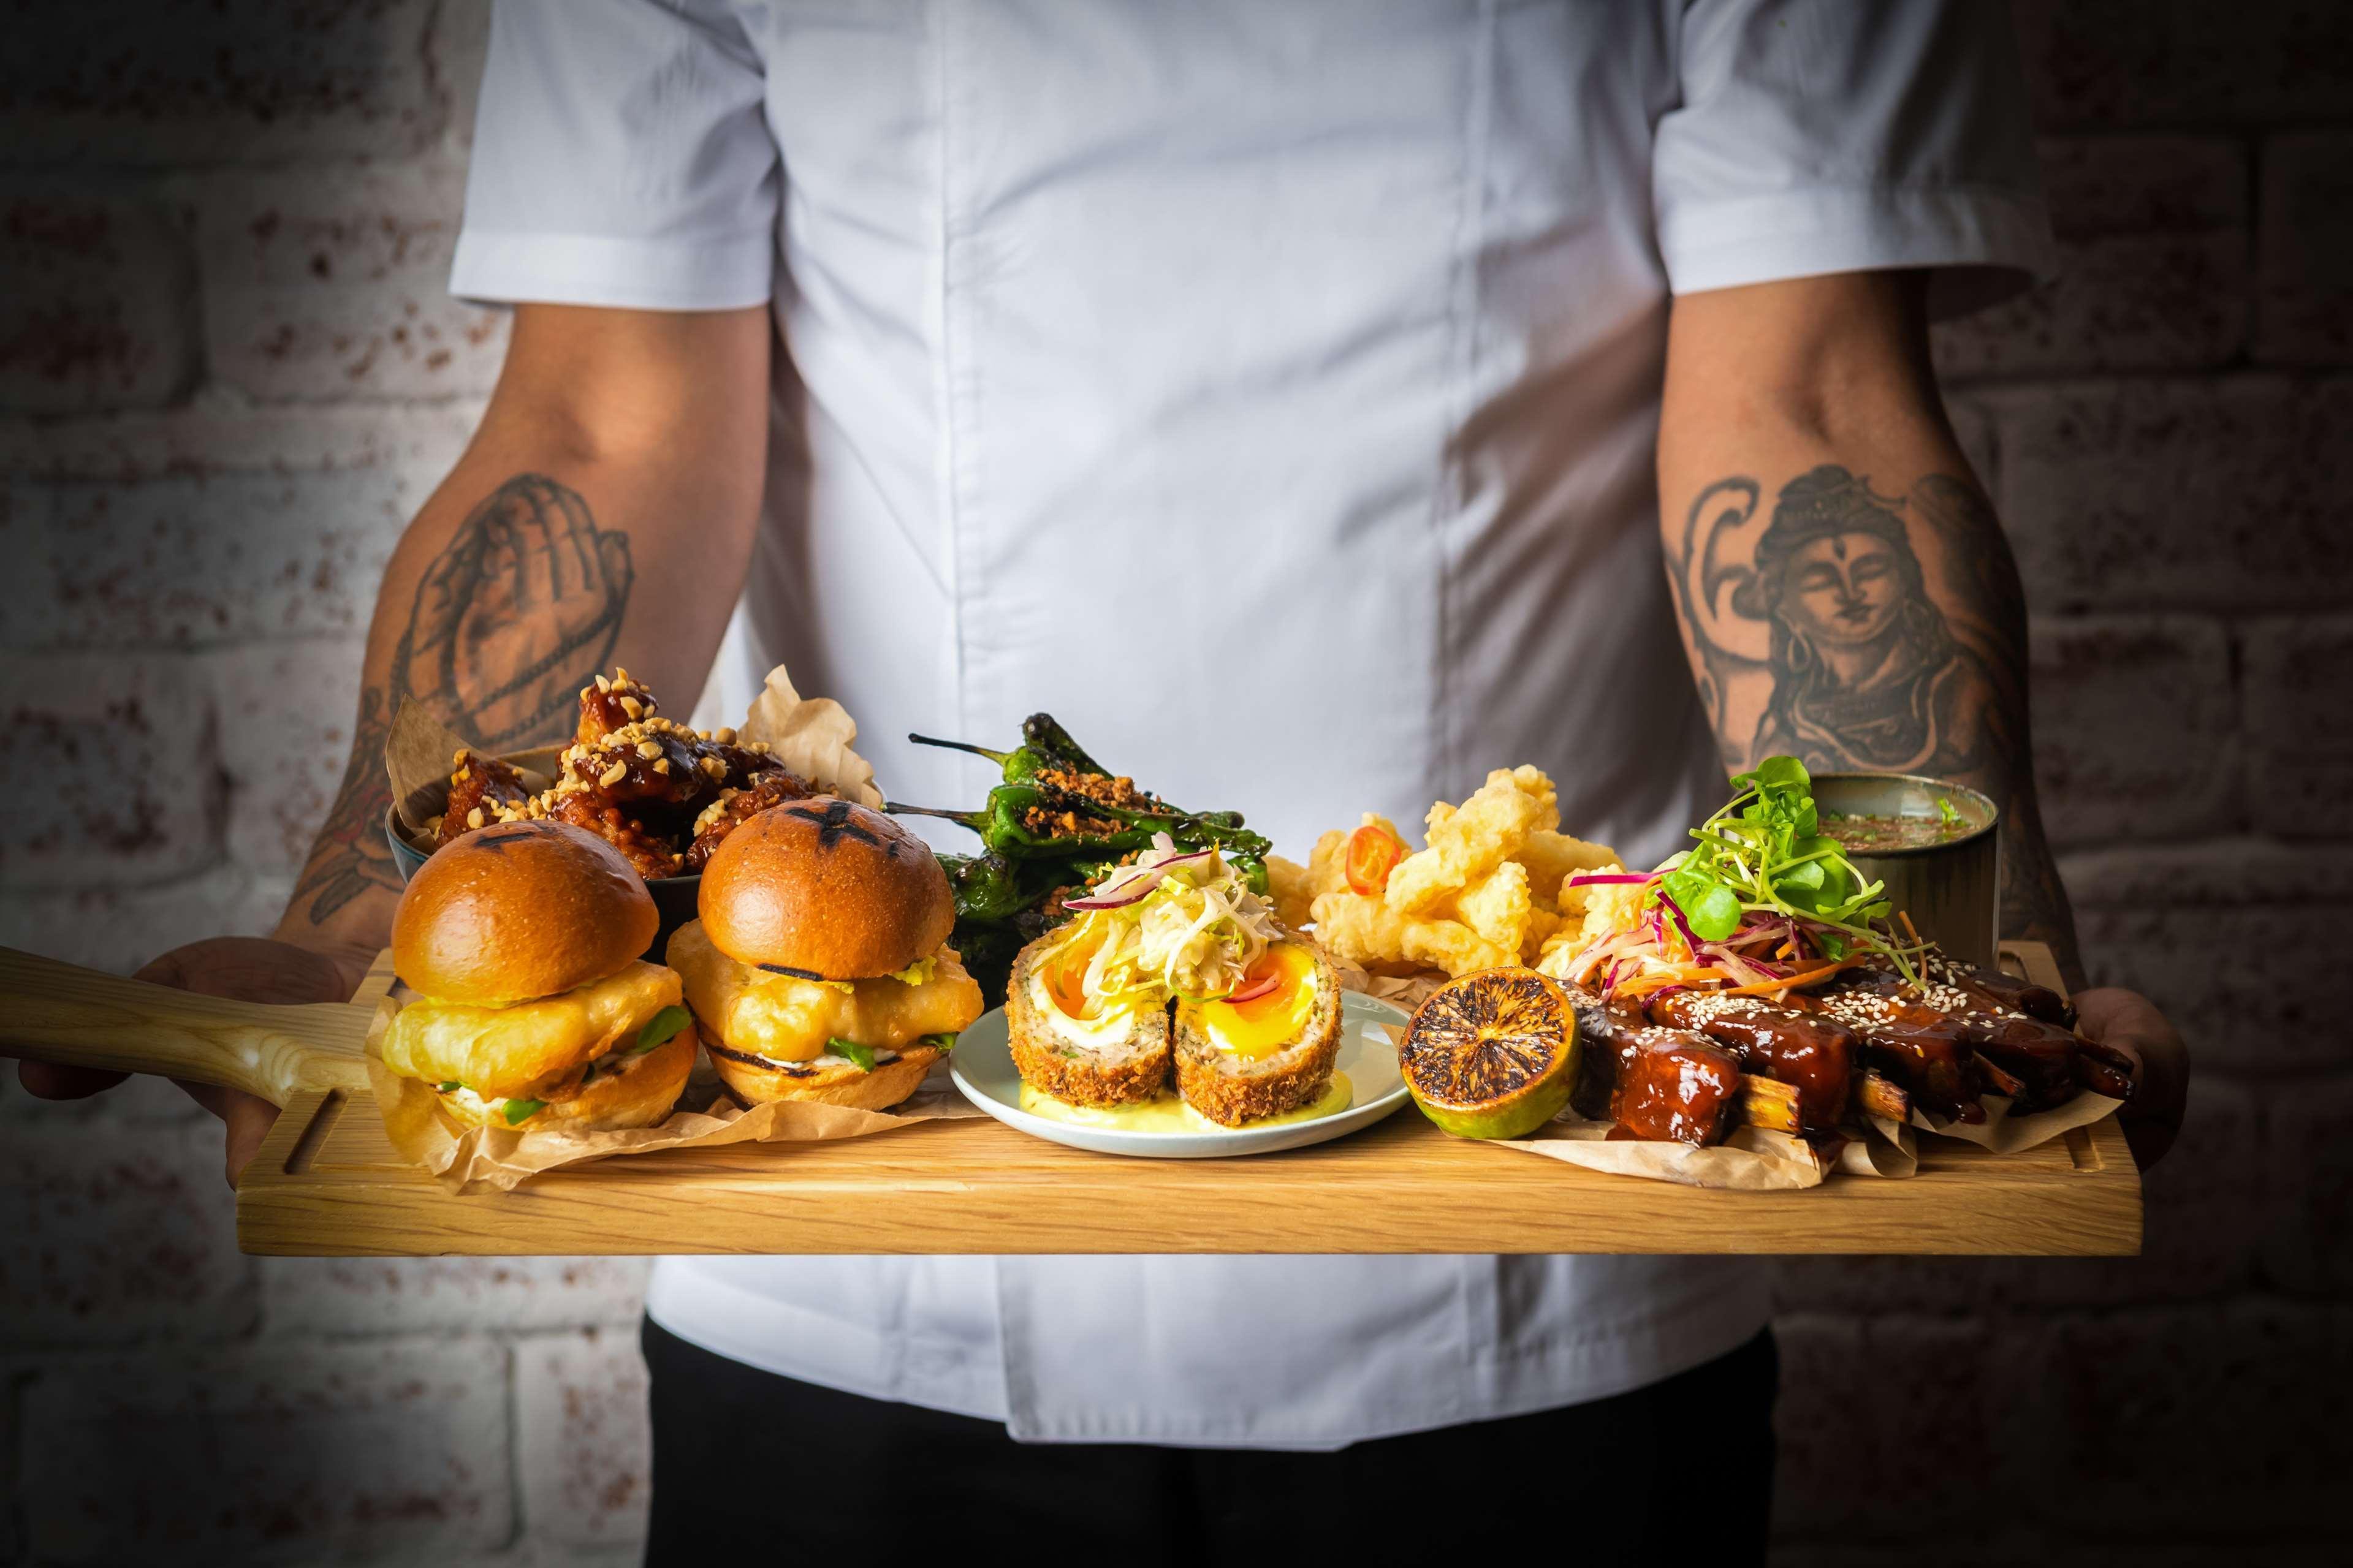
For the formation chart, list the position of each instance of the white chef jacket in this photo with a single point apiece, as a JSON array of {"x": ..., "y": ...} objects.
[{"x": 1268, "y": 390}]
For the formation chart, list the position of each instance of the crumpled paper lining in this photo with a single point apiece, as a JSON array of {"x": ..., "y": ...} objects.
[
  {"x": 500, "y": 1159},
  {"x": 2006, "y": 1134},
  {"x": 1754, "y": 1159},
  {"x": 811, "y": 736}
]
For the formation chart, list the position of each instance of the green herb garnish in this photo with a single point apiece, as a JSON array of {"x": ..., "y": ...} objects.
[
  {"x": 1945, "y": 813},
  {"x": 660, "y": 1029},
  {"x": 862, "y": 1056},
  {"x": 449, "y": 1084},
  {"x": 942, "y": 1043},
  {"x": 1764, "y": 852},
  {"x": 524, "y": 1109}
]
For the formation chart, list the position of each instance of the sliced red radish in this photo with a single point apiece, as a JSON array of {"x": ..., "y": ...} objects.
[
  {"x": 1252, "y": 990},
  {"x": 1134, "y": 884}
]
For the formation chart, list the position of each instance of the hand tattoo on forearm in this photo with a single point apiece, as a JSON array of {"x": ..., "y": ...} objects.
[
  {"x": 1860, "y": 630},
  {"x": 519, "y": 610}
]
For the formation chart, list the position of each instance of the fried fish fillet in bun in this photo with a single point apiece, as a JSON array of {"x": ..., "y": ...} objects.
[
  {"x": 816, "y": 971},
  {"x": 532, "y": 1006}
]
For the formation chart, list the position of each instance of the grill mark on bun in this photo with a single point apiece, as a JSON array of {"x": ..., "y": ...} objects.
[
  {"x": 835, "y": 822},
  {"x": 825, "y": 890},
  {"x": 883, "y": 1057},
  {"x": 790, "y": 1069}
]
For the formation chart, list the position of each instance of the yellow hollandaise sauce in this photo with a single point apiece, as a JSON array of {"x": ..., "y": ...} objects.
[
  {"x": 1168, "y": 1113},
  {"x": 1274, "y": 1021}
]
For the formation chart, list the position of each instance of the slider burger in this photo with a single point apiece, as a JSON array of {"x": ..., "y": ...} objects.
[
  {"x": 817, "y": 968},
  {"x": 533, "y": 1008},
  {"x": 1175, "y": 969}
]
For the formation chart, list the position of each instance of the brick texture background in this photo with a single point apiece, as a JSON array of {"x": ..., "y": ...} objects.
[{"x": 229, "y": 371}]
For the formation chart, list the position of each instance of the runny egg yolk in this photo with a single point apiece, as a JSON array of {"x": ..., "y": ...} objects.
[
  {"x": 1066, "y": 978},
  {"x": 1264, "y": 1024}
]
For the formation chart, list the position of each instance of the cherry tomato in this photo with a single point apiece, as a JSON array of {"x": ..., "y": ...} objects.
[{"x": 1373, "y": 854}]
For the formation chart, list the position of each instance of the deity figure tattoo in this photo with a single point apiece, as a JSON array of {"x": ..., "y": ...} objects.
[
  {"x": 1855, "y": 629},
  {"x": 1819, "y": 635},
  {"x": 521, "y": 608}
]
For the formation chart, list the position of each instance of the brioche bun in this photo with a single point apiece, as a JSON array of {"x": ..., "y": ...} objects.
[
  {"x": 519, "y": 910},
  {"x": 754, "y": 1081},
  {"x": 826, "y": 889},
  {"x": 639, "y": 1095}
]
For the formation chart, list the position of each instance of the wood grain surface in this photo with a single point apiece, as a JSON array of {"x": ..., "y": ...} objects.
[
  {"x": 57, "y": 1012},
  {"x": 327, "y": 1182}
]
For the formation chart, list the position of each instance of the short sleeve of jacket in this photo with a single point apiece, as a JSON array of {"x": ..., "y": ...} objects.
[
  {"x": 621, "y": 157},
  {"x": 1818, "y": 136}
]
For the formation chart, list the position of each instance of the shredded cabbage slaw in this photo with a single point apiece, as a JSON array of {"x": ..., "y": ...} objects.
[
  {"x": 1765, "y": 905},
  {"x": 1193, "y": 936}
]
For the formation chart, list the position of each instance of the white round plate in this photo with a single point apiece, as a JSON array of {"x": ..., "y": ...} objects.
[{"x": 982, "y": 1066}]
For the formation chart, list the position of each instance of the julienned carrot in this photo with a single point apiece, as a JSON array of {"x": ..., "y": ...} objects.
[
  {"x": 1790, "y": 981},
  {"x": 1643, "y": 984}
]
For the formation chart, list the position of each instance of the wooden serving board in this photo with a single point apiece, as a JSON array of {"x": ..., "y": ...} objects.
[{"x": 327, "y": 1182}]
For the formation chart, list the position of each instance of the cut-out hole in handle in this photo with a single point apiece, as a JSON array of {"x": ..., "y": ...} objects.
[{"x": 322, "y": 1122}]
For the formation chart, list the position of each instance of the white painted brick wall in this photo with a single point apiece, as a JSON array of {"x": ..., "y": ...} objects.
[
  {"x": 580, "y": 1414},
  {"x": 229, "y": 373},
  {"x": 121, "y": 81},
  {"x": 109, "y": 765},
  {"x": 284, "y": 1453},
  {"x": 316, "y": 291},
  {"x": 118, "y": 1239},
  {"x": 98, "y": 319},
  {"x": 395, "y": 1295},
  {"x": 2100, "y": 678}
]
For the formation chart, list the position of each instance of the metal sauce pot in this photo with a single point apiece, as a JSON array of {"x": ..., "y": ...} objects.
[{"x": 1951, "y": 889}]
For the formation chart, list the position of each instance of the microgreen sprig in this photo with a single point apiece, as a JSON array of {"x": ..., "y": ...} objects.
[{"x": 1764, "y": 852}]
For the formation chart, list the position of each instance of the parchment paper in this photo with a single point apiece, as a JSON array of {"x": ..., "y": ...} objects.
[
  {"x": 499, "y": 1159},
  {"x": 2004, "y": 1134},
  {"x": 1754, "y": 1159},
  {"x": 1751, "y": 1160},
  {"x": 811, "y": 736}
]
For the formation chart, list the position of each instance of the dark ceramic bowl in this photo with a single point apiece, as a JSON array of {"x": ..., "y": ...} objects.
[
  {"x": 675, "y": 898},
  {"x": 1952, "y": 889}
]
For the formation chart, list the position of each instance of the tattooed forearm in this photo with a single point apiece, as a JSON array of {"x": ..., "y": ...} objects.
[
  {"x": 517, "y": 612},
  {"x": 1857, "y": 629}
]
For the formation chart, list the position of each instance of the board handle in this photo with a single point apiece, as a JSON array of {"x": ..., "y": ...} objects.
[{"x": 56, "y": 1012}]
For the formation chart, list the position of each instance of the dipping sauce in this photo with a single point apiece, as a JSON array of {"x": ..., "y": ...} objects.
[
  {"x": 1876, "y": 834},
  {"x": 1168, "y": 1113}
]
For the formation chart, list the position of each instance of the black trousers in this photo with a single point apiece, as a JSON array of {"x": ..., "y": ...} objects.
[{"x": 763, "y": 1468}]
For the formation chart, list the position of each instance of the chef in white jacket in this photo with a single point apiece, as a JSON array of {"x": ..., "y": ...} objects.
[{"x": 1274, "y": 391}]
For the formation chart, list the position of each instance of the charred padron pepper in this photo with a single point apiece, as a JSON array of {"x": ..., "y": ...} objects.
[{"x": 1059, "y": 822}]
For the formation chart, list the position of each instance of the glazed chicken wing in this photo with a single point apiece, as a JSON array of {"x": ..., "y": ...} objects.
[
  {"x": 608, "y": 703},
  {"x": 661, "y": 792},
  {"x": 478, "y": 786},
  {"x": 722, "y": 816},
  {"x": 650, "y": 855}
]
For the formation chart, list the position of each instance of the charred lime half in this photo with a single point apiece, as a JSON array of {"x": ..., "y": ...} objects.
[{"x": 1492, "y": 1055}]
